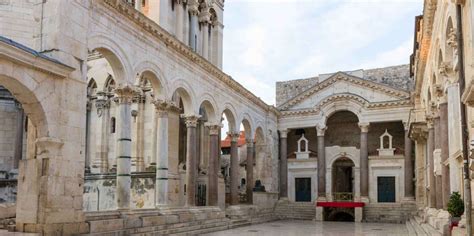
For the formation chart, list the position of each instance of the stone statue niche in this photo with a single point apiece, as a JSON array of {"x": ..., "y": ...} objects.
[
  {"x": 303, "y": 151},
  {"x": 386, "y": 151}
]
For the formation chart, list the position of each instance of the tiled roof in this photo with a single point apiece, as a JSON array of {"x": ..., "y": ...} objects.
[{"x": 226, "y": 142}]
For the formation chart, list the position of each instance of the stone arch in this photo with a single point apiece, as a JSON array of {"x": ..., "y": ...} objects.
[
  {"x": 115, "y": 56},
  {"x": 230, "y": 113},
  {"x": 182, "y": 90},
  {"x": 210, "y": 111},
  {"x": 259, "y": 135},
  {"x": 247, "y": 123},
  {"x": 155, "y": 76},
  {"x": 341, "y": 102},
  {"x": 449, "y": 33},
  {"x": 24, "y": 89},
  {"x": 208, "y": 102}
]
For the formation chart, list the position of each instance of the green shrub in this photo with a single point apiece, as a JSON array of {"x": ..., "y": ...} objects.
[{"x": 455, "y": 205}]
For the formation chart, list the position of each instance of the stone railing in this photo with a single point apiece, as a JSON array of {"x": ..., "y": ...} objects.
[{"x": 343, "y": 197}]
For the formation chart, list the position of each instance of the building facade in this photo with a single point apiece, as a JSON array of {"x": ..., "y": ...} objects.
[{"x": 111, "y": 116}]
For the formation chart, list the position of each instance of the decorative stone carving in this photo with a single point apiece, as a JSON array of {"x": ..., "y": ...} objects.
[
  {"x": 364, "y": 127},
  {"x": 303, "y": 150},
  {"x": 102, "y": 102},
  {"x": 125, "y": 93},
  {"x": 190, "y": 120},
  {"x": 321, "y": 130},
  {"x": 283, "y": 133},
  {"x": 214, "y": 129},
  {"x": 234, "y": 136},
  {"x": 162, "y": 107},
  {"x": 386, "y": 151}
]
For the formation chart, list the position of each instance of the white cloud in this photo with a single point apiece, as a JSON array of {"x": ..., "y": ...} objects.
[{"x": 272, "y": 40}]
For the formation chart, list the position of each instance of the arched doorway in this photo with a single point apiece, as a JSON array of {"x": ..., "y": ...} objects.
[{"x": 343, "y": 179}]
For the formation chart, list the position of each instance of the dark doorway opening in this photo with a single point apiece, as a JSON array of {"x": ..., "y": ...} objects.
[
  {"x": 303, "y": 189},
  {"x": 339, "y": 214},
  {"x": 386, "y": 189}
]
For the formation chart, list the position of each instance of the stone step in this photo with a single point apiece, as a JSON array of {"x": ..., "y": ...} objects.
[
  {"x": 417, "y": 227},
  {"x": 430, "y": 230},
  {"x": 410, "y": 229},
  {"x": 184, "y": 229}
]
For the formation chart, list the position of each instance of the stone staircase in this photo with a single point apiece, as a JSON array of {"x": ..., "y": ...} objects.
[
  {"x": 416, "y": 226},
  {"x": 176, "y": 221},
  {"x": 295, "y": 210}
]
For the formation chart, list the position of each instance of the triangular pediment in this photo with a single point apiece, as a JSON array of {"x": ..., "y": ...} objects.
[{"x": 342, "y": 83}]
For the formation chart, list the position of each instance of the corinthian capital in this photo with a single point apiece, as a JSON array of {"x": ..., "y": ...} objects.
[
  {"x": 214, "y": 129},
  {"x": 125, "y": 93},
  {"x": 234, "y": 136},
  {"x": 193, "y": 7},
  {"x": 190, "y": 120}
]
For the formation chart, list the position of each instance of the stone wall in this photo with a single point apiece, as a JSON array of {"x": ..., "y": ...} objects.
[
  {"x": 388, "y": 212},
  {"x": 17, "y": 20},
  {"x": 99, "y": 192},
  {"x": 394, "y": 76}
]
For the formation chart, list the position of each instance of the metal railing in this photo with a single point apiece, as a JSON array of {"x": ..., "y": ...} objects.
[{"x": 343, "y": 197}]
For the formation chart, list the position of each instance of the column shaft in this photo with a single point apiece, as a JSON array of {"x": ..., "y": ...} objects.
[
  {"x": 283, "y": 165},
  {"x": 191, "y": 164},
  {"x": 409, "y": 191},
  {"x": 205, "y": 40},
  {"x": 431, "y": 176},
  {"x": 140, "y": 142},
  {"x": 321, "y": 164},
  {"x": 125, "y": 94},
  {"x": 213, "y": 169},
  {"x": 179, "y": 21},
  {"x": 234, "y": 170},
  {"x": 443, "y": 115},
  {"x": 364, "y": 162},
  {"x": 193, "y": 7},
  {"x": 249, "y": 169},
  {"x": 161, "y": 184},
  {"x": 436, "y": 161}
]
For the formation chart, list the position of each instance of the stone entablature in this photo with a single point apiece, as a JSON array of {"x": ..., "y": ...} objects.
[{"x": 342, "y": 81}]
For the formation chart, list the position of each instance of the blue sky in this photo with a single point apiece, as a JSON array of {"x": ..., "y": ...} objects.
[{"x": 276, "y": 40}]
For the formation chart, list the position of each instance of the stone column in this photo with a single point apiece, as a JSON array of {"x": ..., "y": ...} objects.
[
  {"x": 103, "y": 110},
  {"x": 234, "y": 169},
  {"x": 283, "y": 164},
  {"x": 431, "y": 176},
  {"x": 409, "y": 188},
  {"x": 193, "y": 8},
  {"x": 364, "y": 161},
  {"x": 191, "y": 162},
  {"x": 161, "y": 184},
  {"x": 19, "y": 136},
  {"x": 321, "y": 164},
  {"x": 138, "y": 5},
  {"x": 205, "y": 18},
  {"x": 213, "y": 168},
  {"x": 444, "y": 142},
  {"x": 179, "y": 20},
  {"x": 124, "y": 94},
  {"x": 437, "y": 163},
  {"x": 249, "y": 169},
  {"x": 138, "y": 160}
]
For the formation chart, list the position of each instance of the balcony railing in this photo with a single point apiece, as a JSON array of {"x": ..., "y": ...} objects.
[{"x": 343, "y": 197}]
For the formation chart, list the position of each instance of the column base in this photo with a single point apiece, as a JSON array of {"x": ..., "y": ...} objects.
[
  {"x": 319, "y": 214},
  {"x": 364, "y": 199},
  {"x": 358, "y": 214},
  {"x": 321, "y": 199}
]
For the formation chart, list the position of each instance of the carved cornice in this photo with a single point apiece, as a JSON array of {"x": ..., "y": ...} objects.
[
  {"x": 340, "y": 76},
  {"x": 171, "y": 42},
  {"x": 347, "y": 97}
]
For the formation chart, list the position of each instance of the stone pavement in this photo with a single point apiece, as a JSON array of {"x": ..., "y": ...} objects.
[{"x": 302, "y": 227}]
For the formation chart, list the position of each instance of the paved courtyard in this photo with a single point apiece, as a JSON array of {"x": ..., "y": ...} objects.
[{"x": 301, "y": 228}]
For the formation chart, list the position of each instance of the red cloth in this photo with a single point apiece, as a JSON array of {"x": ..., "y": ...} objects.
[{"x": 340, "y": 204}]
